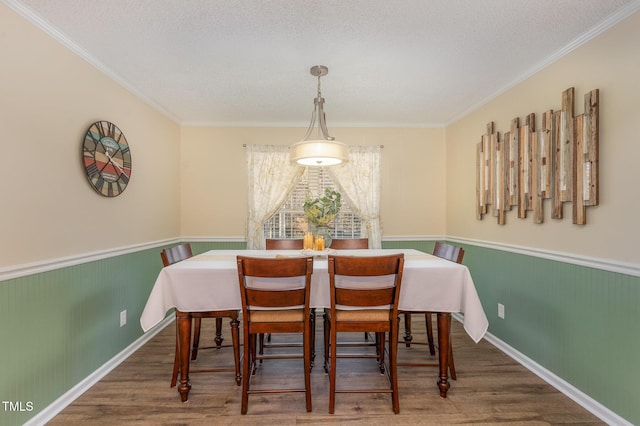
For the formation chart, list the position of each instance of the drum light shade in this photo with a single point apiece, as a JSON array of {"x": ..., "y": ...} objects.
[{"x": 319, "y": 152}]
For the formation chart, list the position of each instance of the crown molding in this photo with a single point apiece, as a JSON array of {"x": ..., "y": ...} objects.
[
  {"x": 582, "y": 39},
  {"x": 63, "y": 39}
]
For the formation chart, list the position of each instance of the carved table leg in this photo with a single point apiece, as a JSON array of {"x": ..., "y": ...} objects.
[
  {"x": 444, "y": 341},
  {"x": 184, "y": 333}
]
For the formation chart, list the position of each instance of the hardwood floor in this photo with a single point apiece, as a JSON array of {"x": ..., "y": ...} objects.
[{"x": 491, "y": 388}]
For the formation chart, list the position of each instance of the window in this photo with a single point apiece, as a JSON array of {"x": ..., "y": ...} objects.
[{"x": 289, "y": 221}]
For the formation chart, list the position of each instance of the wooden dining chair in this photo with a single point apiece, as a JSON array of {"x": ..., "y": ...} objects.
[
  {"x": 364, "y": 297},
  {"x": 349, "y": 243},
  {"x": 284, "y": 244},
  {"x": 264, "y": 341},
  {"x": 176, "y": 254},
  {"x": 454, "y": 254},
  {"x": 273, "y": 302},
  {"x": 179, "y": 253}
]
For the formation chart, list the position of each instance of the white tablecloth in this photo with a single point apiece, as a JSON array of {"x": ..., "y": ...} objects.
[{"x": 209, "y": 282}]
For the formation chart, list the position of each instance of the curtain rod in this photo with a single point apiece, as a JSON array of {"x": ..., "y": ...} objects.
[{"x": 244, "y": 145}]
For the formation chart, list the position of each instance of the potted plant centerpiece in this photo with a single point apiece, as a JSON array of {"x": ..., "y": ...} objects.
[{"x": 321, "y": 211}]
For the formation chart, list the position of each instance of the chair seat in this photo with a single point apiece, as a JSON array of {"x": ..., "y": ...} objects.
[
  {"x": 287, "y": 315},
  {"x": 361, "y": 315}
]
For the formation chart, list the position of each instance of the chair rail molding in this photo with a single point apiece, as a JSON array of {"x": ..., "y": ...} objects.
[
  {"x": 626, "y": 268},
  {"x": 22, "y": 270}
]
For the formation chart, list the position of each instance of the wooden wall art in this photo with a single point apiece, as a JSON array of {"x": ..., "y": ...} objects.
[{"x": 559, "y": 161}]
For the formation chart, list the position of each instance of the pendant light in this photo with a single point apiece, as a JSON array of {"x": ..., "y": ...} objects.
[{"x": 318, "y": 148}]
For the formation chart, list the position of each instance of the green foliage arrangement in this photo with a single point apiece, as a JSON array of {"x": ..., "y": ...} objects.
[{"x": 322, "y": 210}]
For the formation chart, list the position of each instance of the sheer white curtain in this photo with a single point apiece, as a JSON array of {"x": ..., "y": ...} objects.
[
  {"x": 359, "y": 181},
  {"x": 272, "y": 177}
]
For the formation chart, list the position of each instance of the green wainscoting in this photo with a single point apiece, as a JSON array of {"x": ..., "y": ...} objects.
[
  {"x": 581, "y": 324},
  {"x": 58, "y": 327},
  {"x": 425, "y": 246},
  {"x": 201, "y": 247}
]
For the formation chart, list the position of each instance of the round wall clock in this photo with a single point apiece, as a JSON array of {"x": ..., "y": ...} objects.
[{"x": 107, "y": 158}]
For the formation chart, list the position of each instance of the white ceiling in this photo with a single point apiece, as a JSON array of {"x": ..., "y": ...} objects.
[{"x": 409, "y": 63}]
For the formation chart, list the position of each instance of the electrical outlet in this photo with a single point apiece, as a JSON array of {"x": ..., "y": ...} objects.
[
  {"x": 123, "y": 318},
  {"x": 500, "y": 310}
]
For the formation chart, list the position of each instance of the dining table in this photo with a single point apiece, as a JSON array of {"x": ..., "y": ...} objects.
[{"x": 209, "y": 282}]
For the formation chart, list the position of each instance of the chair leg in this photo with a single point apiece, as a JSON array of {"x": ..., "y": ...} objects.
[
  {"x": 429, "y": 323},
  {"x": 332, "y": 372},
  {"x": 380, "y": 350},
  {"x": 452, "y": 367},
  {"x": 235, "y": 337},
  {"x": 313, "y": 336},
  {"x": 176, "y": 362},
  {"x": 307, "y": 366},
  {"x": 407, "y": 329},
  {"x": 196, "y": 338},
  {"x": 327, "y": 337},
  {"x": 393, "y": 366},
  {"x": 219, "y": 337},
  {"x": 261, "y": 343},
  {"x": 245, "y": 373},
  {"x": 252, "y": 356}
]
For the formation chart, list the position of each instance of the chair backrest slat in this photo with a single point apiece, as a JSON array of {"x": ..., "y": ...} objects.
[
  {"x": 367, "y": 266},
  {"x": 284, "y": 244},
  {"x": 275, "y": 268},
  {"x": 176, "y": 254},
  {"x": 366, "y": 297},
  {"x": 349, "y": 243},
  {"x": 448, "y": 251},
  {"x": 275, "y": 298}
]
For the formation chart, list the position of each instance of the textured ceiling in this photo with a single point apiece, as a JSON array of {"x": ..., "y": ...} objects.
[{"x": 391, "y": 62}]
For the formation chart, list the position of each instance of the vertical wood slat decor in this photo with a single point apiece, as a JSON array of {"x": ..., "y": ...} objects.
[
  {"x": 558, "y": 162},
  {"x": 500, "y": 161},
  {"x": 514, "y": 143},
  {"x": 585, "y": 166}
]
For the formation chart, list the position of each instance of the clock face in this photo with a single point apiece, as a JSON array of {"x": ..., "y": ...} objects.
[{"x": 107, "y": 159}]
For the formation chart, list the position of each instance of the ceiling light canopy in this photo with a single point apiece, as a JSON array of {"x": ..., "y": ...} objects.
[{"x": 318, "y": 148}]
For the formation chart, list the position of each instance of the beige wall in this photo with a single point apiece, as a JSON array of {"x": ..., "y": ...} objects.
[
  {"x": 191, "y": 181},
  {"x": 49, "y": 98},
  {"x": 214, "y": 185},
  {"x": 611, "y": 63}
]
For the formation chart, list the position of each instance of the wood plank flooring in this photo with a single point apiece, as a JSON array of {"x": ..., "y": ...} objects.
[{"x": 491, "y": 389}]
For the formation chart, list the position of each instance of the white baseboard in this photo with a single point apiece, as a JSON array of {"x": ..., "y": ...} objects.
[{"x": 72, "y": 394}]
